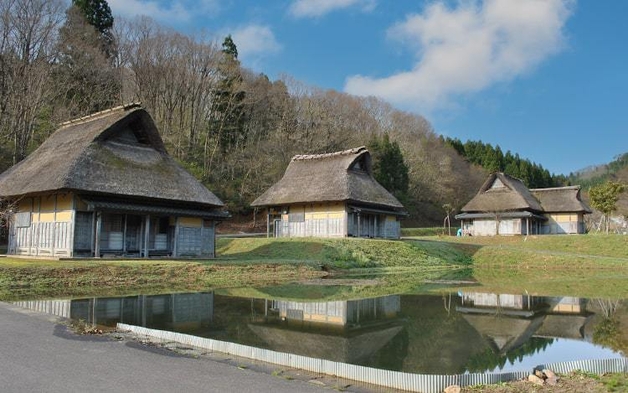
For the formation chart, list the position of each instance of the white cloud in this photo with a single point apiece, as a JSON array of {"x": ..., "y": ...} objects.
[
  {"x": 468, "y": 48},
  {"x": 255, "y": 42},
  {"x": 317, "y": 8},
  {"x": 178, "y": 11}
]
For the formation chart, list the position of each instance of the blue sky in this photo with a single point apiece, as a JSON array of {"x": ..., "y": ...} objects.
[{"x": 547, "y": 79}]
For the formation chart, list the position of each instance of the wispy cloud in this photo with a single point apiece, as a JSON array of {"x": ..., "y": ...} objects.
[
  {"x": 468, "y": 48},
  {"x": 255, "y": 42},
  {"x": 178, "y": 11},
  {"x": 318, "y": 8}
]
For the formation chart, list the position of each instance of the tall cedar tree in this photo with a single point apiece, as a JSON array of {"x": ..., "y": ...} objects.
[
  {"x": 98, "y": 14},
  {"x": 389, "y": 168},
  {"x": 86, "y": 78},
  {"x": 228, "y": 121}
]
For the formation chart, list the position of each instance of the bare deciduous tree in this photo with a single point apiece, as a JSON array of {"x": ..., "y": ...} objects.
[{"x": 28, "y": 30}]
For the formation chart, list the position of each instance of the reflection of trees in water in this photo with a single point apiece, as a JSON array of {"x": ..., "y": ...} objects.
[
  {"x": 489, "y": 360},
  {"x": 608, "y": 306},
  {"x": 447, "y": 302},
  {"x": 608, "y": 332}
]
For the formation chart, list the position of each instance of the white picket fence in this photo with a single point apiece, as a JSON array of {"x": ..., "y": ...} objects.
[{"x": 391, "y": 379}]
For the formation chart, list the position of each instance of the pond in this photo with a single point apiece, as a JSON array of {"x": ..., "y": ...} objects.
[{"x": 450, "y": 333}]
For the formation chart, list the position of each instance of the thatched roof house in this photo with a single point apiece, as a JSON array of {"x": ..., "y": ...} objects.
[
  {"x": 110, "y": 174},
  {"x": 561, "y": 199},
  {"x": 337, "y": 188},
  {"x": 504, "y": 205},
  {"x": 501, "y": 192}
]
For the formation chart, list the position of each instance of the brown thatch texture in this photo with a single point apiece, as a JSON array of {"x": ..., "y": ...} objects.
[
  {"x": 512, "y": 196},
  {"x": 116, "y": 152},
  {"x": 329, "y": 178},
  {"x": 561, "y": 199}
]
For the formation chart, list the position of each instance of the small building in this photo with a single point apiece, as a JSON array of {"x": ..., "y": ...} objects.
[
  {"x": 104, "y": 185},
  {"x": 331, "y": 195},
  {"x": 505, "y": 206}
]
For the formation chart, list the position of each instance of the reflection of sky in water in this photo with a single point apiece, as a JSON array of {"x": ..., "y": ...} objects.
[{"x": 561, "y": 350}]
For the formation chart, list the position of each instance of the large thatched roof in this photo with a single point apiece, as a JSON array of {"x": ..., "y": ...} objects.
[
  {"x": 501, "y": 193},
  {"x": 561, "y": 199},
  {"x": 504, "y": 193},
  {"x": 118, "y": 152},
  {"x": 333, "y": 177}
]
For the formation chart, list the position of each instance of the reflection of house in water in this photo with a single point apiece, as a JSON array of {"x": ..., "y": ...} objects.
[
  {"x": 346, "y": 313},
  {"x": 507, "y": 321},
  {"x": 180, "y": 311},
  {"x": 348, "y": 331}
]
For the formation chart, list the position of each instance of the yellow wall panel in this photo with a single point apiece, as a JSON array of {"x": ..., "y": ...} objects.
[
  {"x": 35, "y": 217},
  {"x": 64, "y": 202},
  {"x": 564, "y": 217},
  {"x": 317, "y": 208},
  {"x": 191, "y": 222},
  {"x": 64, "y": 215},
  {"x": 46, "y": 217},
  {"x": 391, "y": 218}
]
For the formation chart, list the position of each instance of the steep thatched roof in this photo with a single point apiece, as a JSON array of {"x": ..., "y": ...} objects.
[
  {"x": 501, "y": 193},
  {"x": 561, "y": 199},
  {"x": 116, "y": 152},
  {"x": 504, "y": 193},
  {"x": 333, "y": 177}
]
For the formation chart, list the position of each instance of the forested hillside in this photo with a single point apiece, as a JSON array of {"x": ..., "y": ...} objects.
[
  {"x": 234, "y": 129},
  {"x": 492, "y": 159}
]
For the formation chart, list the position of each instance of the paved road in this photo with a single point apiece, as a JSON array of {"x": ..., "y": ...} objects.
[{"x": 38, "y": 354}]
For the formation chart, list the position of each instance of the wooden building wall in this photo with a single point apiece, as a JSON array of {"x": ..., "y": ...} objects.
[
  {"x": 314, "y": 220},
  {"x": 59, "y": 225},
  {"x": 563, "y": 223},
  {"x": 334, "y": 220},
  {"x": 43, "y": 226}
]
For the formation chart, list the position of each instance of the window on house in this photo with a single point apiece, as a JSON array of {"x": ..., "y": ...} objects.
[{"x": 23, "y": 220}]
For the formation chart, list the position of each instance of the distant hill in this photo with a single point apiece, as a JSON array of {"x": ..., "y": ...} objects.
[{"x": 616, "y": 170}]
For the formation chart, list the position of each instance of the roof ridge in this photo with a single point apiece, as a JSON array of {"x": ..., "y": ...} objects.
[
  {"x": 303, "y": 157},
  {"x": 556, "y": 188},
  {"x": 100, "y": 114}
]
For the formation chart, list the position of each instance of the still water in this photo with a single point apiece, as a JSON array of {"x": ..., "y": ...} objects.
[{"x": 429, "y": 334}]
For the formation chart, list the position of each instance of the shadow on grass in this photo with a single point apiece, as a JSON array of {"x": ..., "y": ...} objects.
[
  {"x": 466, "y": 248},
  {"x": 273, "y": 250}
]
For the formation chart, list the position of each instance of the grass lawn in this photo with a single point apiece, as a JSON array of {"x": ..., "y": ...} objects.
[
  {"x": 585, "y": 266},
  {"x": 576, "y": 265},
  {"x": 33, "y": 278}
]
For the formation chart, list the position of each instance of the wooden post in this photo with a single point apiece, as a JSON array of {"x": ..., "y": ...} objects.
[
  {"x": 375, "y": 225},
  {"x": 359, "y": 232},
  {"x": 146, "y": 235},
  {"x": 124, "y": 234},
  {"x": 176, "y": 238},
  {"x": 268, "y": 223},
  {"x": 97, "y": 235}
]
